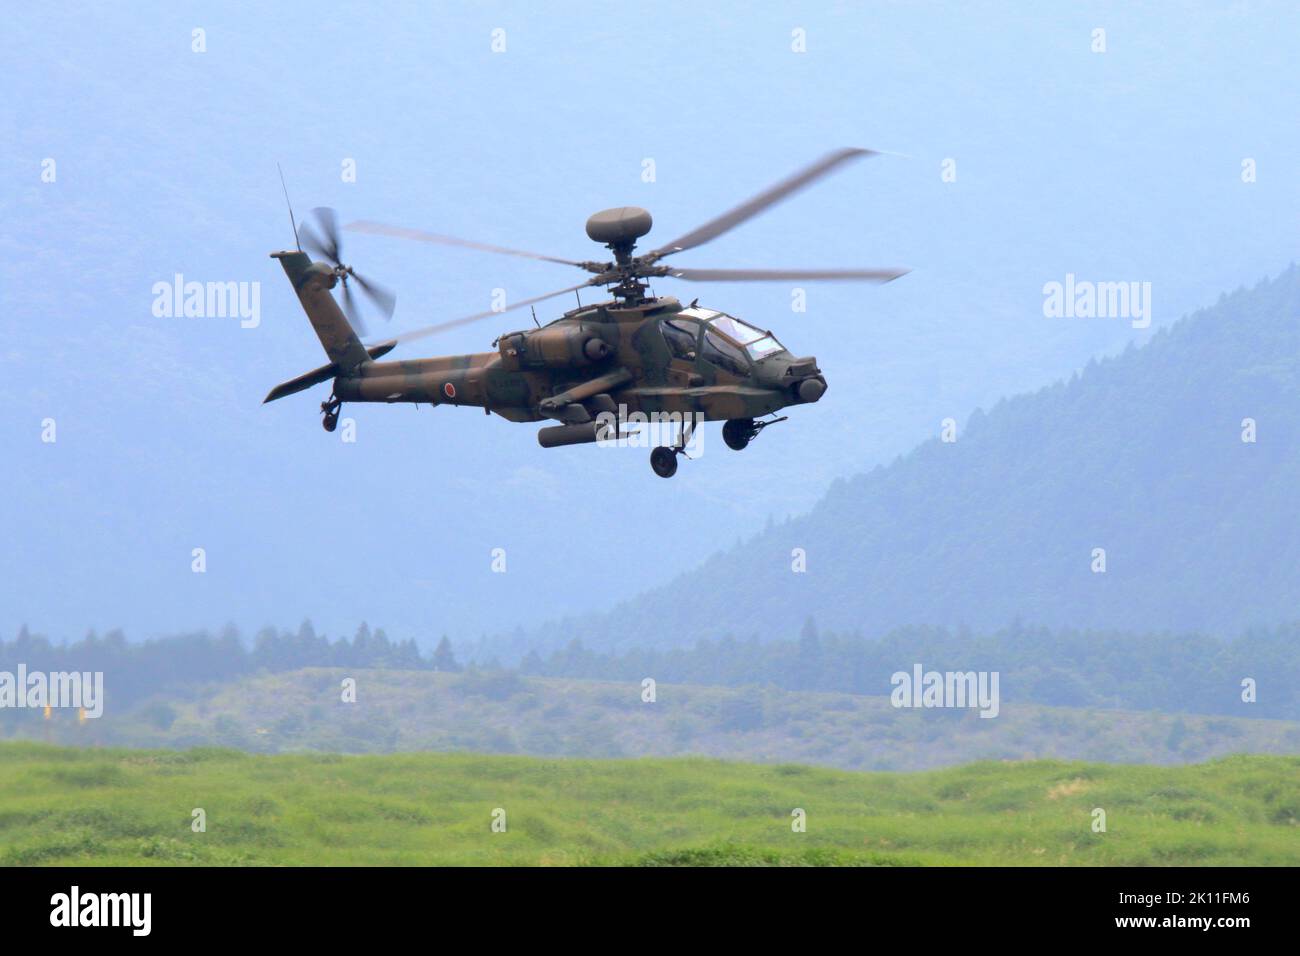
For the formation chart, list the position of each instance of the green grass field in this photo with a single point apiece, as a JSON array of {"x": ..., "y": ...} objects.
[{"x": 134, "y": 807}]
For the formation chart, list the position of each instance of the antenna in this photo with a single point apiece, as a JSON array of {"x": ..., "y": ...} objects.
[
  {"x": 290, "y": 205},
  {"x": 533, "y": 310},
  {"x": 578, "y": 297}
]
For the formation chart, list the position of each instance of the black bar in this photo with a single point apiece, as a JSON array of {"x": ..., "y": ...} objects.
[{"x": 333, "y": 905}]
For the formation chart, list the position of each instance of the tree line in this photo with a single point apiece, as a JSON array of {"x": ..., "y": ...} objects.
[
  {"x": 135, "y": 670},
  {"x": 1192, "y": 673}
]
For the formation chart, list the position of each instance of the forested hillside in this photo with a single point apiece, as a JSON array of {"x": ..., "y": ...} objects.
[
  {"x": 1145, "y": 456},
  {"x": 500, "y": 712},
  {"x": 1165, "y": 671},
  {"x": 823, "y": 699}
]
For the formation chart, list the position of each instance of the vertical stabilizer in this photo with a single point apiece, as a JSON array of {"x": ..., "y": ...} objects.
[{"x": 313, "y": 282}]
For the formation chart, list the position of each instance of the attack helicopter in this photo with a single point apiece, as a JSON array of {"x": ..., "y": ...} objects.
[{"x": 635, "y": 352}]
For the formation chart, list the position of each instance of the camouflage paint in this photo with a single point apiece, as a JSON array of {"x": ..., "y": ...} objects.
[{"x": 612, "y": 352}]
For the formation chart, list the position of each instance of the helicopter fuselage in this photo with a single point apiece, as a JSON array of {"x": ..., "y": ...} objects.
[
  {"x": 652, "y": 356},
  {"x": 595, "y": 368}
]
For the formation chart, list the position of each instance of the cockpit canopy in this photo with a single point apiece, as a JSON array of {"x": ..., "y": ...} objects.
[{"x": 728, "y": 342}]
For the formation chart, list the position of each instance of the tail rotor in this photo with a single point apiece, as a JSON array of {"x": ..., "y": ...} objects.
[{"x": 319, "y": 235}]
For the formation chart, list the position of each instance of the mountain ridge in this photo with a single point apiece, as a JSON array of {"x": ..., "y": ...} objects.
[{"x": 1140, "y": 454}]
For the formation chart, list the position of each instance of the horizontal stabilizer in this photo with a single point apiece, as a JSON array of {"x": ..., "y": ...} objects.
[
  {"x": 322, "y": 374},
  {"x": 294, "y": 385}
]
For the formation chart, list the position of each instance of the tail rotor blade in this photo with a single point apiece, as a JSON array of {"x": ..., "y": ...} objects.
[
  {"x": 352, "y": 312},
  {"x": 329, "y": 222},
  {"x": 311, "y": 243},
  {"x": 320, "y": 234},
  {"x": 383, "y": 298}
]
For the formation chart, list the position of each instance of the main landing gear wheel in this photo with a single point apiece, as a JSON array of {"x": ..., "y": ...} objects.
[
  {"x": 330, "y": 410},
  {"x": 664, "y": 461},
  {"x": 738, "y": 432}
]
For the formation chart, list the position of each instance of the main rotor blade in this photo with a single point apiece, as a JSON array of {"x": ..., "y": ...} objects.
[
  {"x": 379, "y": 229},
  {"x": 774, "y": 194},
  {"x": 803, "y": 275},
  {"x": 477, "y": 316}
]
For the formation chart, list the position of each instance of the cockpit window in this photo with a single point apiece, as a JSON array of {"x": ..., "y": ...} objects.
[
  {"x": 742, "y": 332},
  {"x": 756, "y": 342},
  {"x": 764, "y": 346},
  {"x": 681, "y": 338},
  {"x": 723, "y": 354}
]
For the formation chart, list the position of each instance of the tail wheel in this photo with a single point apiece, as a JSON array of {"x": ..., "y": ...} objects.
[
  {"x": 330, "y": 413},
  {"x": 664, "y": 461}
]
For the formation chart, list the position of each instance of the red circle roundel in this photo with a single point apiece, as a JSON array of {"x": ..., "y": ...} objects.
[{"x": 449, "y": 390}]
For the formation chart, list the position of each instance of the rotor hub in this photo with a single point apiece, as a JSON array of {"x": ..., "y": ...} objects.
[{"x": 619, "y": 229}]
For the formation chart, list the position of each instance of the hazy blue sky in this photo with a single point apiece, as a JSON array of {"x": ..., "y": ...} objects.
[{"x": 1122, "y": 165}]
